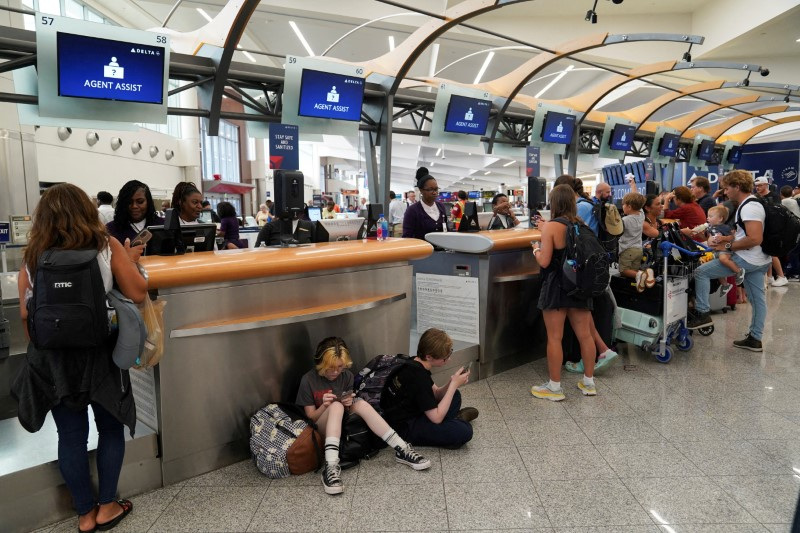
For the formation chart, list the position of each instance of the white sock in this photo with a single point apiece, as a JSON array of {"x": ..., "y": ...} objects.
[
  {"x": 588, "y": 381},
  {"x": 393, "y": 439},
  {"x": 554, "y": 385},
  {"x": 332, "y": 450}
]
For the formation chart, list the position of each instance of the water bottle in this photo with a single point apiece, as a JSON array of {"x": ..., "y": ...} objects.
[{"x": 383, "y": 228}]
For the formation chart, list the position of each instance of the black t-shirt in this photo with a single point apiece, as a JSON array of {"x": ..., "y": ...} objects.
[{"x": 408, "y": 394}]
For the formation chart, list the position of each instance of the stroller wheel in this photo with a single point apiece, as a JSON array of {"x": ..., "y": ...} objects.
[
  {"x": 666, "y": 356},
  {"x": 706, "y": 331}
]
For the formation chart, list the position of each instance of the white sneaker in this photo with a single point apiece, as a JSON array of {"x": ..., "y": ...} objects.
[{"x": 780, "y": 282}]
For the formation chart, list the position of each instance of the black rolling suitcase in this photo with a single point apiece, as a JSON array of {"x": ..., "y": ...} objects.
[{"x": 603, "y": 316}]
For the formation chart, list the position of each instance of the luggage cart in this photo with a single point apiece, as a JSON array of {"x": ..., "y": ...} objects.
[{"x": 655, "y": 333}]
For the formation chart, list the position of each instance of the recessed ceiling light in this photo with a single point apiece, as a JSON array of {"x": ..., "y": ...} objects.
[
  {"x": 249, "y": 56},
  {"x": 485, "y": 65},
  {"x": 391, "y": 43},
  {"x": 438, "y": 152},
  {"x": 204, "y": 14},
  {"x": 554, "y": 81},
  {"x": 509, "y": 163},
  {"x": 301, "y": 38},
  {"x": 487, "y": 172},
  {"x": 469, "y": 154}
]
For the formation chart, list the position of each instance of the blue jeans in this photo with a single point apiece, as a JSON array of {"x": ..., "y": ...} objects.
[
  {"x": 753, "y": 285},
  {"x": 450, "y": 433},
  {"x": 73, "y": 456}
]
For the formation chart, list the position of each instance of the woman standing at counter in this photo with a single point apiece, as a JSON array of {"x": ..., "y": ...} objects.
[
  {"x": 427, "y": 215},
  {"x": 188, "y": 200},
  {"x": 688, "y": 212},
  {"x": 65, "y": 381},
  {"x": 556, "y": 304},
  {"x": 134, "y": 212}
]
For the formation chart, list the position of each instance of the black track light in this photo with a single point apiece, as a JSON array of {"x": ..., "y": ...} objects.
[
  {"x": 764, "y": 72},
  {"x": 687, "y": 57},
  {"x": 591, "y": 15},
  {"x": 745, "y": 82},
  {"x": 616, "y": 2},
  {"x": 786, "y": 98}
]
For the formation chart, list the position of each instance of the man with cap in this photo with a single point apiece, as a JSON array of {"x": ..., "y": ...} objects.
[{"x": 762, "y": 190}]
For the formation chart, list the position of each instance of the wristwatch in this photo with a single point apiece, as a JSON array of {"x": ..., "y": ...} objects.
[{"x": 728, "y": 245}]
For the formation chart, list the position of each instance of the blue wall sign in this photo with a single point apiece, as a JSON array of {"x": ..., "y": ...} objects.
[
  {"x": 533, "y": 161},
  {"x": 328, "y": 95},
  {"x": 5, "y": 232},
  {"x": 467, "y": 115},
  {"x": 622, "y": 137},
  {"x": 284, "y": 151},
  {"x": 90, "y": 67}
]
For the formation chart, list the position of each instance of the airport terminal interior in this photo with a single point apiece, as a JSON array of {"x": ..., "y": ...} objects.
[{"x": 311, "y": 129}]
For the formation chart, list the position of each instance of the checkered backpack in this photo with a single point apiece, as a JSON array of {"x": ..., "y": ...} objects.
[{"x": 284, "y": 441}]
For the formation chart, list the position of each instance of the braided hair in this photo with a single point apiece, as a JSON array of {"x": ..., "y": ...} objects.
[
  {"x": 182, "y": 191},
  {"x": 122, "y": 214}
]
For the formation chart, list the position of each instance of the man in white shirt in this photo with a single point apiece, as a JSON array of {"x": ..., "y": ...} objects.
[
  {"x": 104, "y": 201},
  {"x": 745, "y": 247},
  {"x": 788, "y": 202},
  {"x": 411, "y": 198},
  {"x": 397, "y": 210}
]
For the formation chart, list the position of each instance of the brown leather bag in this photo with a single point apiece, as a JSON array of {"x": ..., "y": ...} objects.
[{"x": 305, "y": 454}]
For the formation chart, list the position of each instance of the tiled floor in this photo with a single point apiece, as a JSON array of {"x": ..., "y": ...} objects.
[{"x": 707, "y": 443}]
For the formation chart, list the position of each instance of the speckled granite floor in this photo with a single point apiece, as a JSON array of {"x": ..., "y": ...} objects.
[{"x": 707, "y": 443}]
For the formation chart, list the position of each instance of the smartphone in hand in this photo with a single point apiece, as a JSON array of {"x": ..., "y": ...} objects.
[{"x": 142, "y": 238}]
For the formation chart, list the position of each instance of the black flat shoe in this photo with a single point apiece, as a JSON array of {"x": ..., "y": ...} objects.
[{"x": 127, "y": 507}]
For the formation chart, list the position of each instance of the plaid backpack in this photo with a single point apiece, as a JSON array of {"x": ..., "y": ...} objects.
[
  {"x": 369, "y": 383},
  {"x": 284, "y": 441}
]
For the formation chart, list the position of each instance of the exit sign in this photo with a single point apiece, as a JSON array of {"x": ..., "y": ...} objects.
[{"x": 5, "y": 232}]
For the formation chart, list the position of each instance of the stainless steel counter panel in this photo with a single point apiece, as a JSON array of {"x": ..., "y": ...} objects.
[
  {"x": 211, "y": 383},
  {"x": 511, "y": 327}
]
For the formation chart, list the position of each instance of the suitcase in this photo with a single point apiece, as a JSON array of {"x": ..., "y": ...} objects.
[
  {"x": 719, "y": 300},
  {"x": 637, "y": 328},
  {"x": 603, "y": 316},
  {"x": 649, "y": 302}
]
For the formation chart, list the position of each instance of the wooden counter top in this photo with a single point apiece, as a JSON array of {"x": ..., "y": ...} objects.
[
  {"x": 229, "y": 265},
  {"x": 510, "y": 239}
]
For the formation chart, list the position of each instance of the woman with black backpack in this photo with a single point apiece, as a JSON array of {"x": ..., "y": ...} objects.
[
  {"x": 70, "y": 367},
  {"x": 554, "y": 301}
]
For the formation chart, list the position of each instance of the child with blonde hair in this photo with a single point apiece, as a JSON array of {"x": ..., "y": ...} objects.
[{"x": 326, "y": 392}]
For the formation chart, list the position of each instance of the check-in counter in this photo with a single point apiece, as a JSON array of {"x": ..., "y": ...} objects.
[
  {"x": 508, "y": 330},
  {"x": 242, "y": 326}
]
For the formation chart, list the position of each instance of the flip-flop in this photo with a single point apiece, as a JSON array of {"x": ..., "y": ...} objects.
[
  {"x": 127, "y": 507},
  {"x": 605, "y": 361},
  {"x": 650, "y": 279}
]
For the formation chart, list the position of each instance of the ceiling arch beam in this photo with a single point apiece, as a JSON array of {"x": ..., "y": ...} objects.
[
  {"x": 682, "y": 124},
  {"x": 744, "y": 137},
  {"x": 719, "y": 129}
]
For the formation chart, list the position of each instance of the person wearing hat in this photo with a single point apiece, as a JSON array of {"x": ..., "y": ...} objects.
[
  {"x": 775, "y": 276},
  {"x": 427, "y": 215}
]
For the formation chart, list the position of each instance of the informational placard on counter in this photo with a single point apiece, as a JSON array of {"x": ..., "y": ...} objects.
[
  {"x": 143, "y": 384},
  {"x": 449, "y": 303}
]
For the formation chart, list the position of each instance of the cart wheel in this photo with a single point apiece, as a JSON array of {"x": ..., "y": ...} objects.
[
  {"x": 666, "y": 357},
  {"x": 733, "y": 307},
  {"x": 724, "y": 311},
  {"x": 706, "y": 331},
  {"x": 685, "y": 344}
]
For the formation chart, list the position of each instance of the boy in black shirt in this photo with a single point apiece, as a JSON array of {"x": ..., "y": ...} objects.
[{"x": 422, "y": 413}]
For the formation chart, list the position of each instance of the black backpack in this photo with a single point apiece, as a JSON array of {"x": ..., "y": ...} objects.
[
  {"x": 68, "y": 307},
  {"x": 370, "y": 382},
  {"x": 610, "y": 241},
  {"x": 585, "y": 267},
  {"x": 781, "y": 228}
]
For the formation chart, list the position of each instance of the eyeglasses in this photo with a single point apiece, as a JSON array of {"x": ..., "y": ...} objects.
[
  {"x": 449, "y": 355},
  {"x": 431, "y": 189}
]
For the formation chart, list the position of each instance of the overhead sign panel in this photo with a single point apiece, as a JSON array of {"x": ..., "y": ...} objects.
[
  {"x": 669, "y": 144},
  {"x": 100, "y": 72},
  {"x": 622, "y": 137},
  {"x": 467, "y": 115},
  {"x": 329, "y": 95}
]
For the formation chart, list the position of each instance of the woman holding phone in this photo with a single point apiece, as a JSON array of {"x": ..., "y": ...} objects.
[{"x": 134, "y": 212}]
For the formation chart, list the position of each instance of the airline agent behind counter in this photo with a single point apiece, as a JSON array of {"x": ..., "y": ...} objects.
[{"x": 427, "y": 215}]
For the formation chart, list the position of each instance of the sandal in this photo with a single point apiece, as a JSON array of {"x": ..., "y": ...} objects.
[
  {"x": 127, "y": 507},
  {"x": 574, "y": 367}
]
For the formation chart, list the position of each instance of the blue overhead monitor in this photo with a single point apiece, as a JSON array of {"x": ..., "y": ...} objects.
[
  {"x": 467, "y": 115},
  {"x": 103, "y": 69},
  {"x": 706, "y": 150},
  {"x": 558, "y": 128},
  {"x": 669, "y": 144},
  {"x": 622, "y": 137},
  {"x": 735, "y": 154},
  {"x": 329, "y": 95},
  {"x": 473, "y": 195}
]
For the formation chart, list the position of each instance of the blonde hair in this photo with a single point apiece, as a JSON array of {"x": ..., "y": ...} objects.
[
  {"x": 330, "y": 352},
  {"x": 738, "y": 178},
  {"x": 721, "y": 210},
  {"x": 435, "y": 343},
  {"x": 635, "y": 200}
]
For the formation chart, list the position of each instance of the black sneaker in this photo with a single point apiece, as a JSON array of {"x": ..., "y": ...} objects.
[
  {"x": 749, "y": 343},
  {"x": 468, "y": 414},
  {"x": 332, "y": 478},
  {"x": 408, "y": 456},
  {"x": 699, "y": 320}
]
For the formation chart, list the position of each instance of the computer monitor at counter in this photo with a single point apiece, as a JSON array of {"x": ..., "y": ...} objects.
[
  {"x": 340, "y": 229},
  {"x": 194, "y": 238}
]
